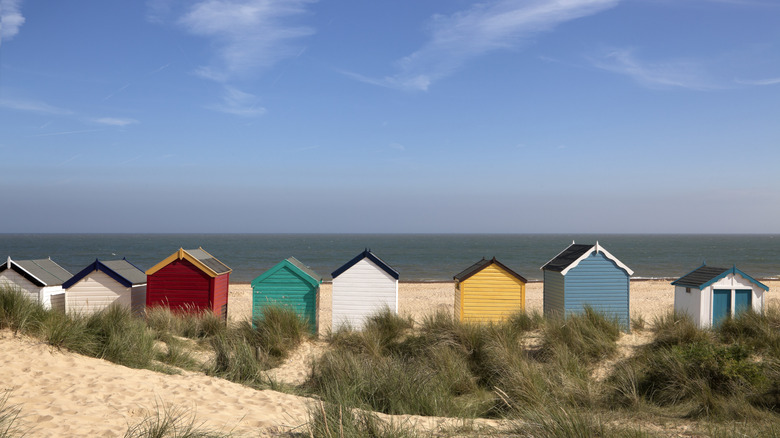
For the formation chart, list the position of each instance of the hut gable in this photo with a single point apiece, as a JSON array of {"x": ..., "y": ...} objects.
[
  {"x": 289, "y": 283},
  {"x": 38, "y": 279},
  {"x": 103, "y": 283},
  {"x": 190, "y": 280},
  {"x": 362, "y": 287},
  {"x": 587, "y": 275},
  {"x": 709, "y": 294},
  {"x": 488, "y": 291}
]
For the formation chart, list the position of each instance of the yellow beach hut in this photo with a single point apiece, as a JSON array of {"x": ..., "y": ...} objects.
[{"x": 488, "y": 291}]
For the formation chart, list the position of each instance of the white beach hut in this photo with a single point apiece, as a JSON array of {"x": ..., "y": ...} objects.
[
  {"x": 38, "y": 279},
  {"x": 709, "y": 294},
  {"x": 362, "y": 287},
  {"x": 103, "y": 283}
]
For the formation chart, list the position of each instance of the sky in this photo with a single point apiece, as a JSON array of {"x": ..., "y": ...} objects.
[{"x": 404, "y": 116}]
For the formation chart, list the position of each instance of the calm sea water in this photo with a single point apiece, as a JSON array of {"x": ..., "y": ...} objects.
[{"x": 417, "y": 257}]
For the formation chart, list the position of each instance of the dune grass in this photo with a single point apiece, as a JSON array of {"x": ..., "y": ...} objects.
[
  {"x": 9, "y": 419},
  {"x": 172, "y": 422}
]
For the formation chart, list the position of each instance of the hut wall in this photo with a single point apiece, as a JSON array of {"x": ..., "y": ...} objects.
[
  {"x": 179, "y": 285},
  {"x": 361, "y": 291},
  {"x": 219, "y": 297},
  {"x": 491, "y": 294},
  {"x": 95, "y": 292},
  {"x": 287, "y": 288},
  {"x": 692, "y": 303},
  {"x": 599, "y": 283},
  {"x": 553, "y": 294},
  {"x": 14, "y": 279}
]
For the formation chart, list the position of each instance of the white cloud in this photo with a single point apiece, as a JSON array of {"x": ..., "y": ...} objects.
[
  {"x": 678, "y": 73},
  {"x": 250, "y": 35},
  {"x": 770, "y": 81},
  {"x": 113, "y": 121},
  {"x": 33, "y": 106},
  {"x": 239, "y": 103},
  {"x": 483, "y": 28},
  {"x": 11, "y": 19}
]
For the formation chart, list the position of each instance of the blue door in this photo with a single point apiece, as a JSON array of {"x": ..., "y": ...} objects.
[
  {"x": 743, "y": 300},
  {"x": 721, "y": 305}
]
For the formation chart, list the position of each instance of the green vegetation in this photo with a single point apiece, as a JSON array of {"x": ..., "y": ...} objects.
[
  {"x": 9, "y": 415},
  {"x": 537, "y": 375}
]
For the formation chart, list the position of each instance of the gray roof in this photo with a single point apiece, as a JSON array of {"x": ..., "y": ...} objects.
[
  {"x": 567, "y": 257},
  {"x": 127, "y": 270},
  {"x": 310, "y": 272},
  {"x": 209, "y": 260},
  {"x": 45, "y": 270},
  {"x": 699, "y": 276}
]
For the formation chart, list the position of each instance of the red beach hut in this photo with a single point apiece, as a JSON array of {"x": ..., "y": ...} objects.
[{"x": 190, "y": 280}]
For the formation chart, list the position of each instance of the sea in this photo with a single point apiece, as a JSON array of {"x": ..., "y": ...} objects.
[{"x": 417, "y": 257}]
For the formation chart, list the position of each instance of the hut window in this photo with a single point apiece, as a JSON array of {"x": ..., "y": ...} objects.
[{"x": 687, "y": 290}]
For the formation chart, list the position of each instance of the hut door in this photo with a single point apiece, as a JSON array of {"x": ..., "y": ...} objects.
[
  {"x": 721, "y": 305},
  {"x": 743, "y": 300}
]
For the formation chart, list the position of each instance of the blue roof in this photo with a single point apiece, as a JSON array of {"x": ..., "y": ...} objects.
[
  {"x": 124, "y": 272},
  {"x": 366, "y": 254}
]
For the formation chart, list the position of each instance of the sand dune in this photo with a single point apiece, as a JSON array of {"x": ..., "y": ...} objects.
[{"x": 64, "y": 394}]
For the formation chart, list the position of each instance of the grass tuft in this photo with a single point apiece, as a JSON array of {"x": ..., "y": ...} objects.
[{"x": 172, "y": 422}]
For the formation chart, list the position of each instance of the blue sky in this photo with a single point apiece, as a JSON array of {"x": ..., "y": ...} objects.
[{"x": 532, "y": 116}]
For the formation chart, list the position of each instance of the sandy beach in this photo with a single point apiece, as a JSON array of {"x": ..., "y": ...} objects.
[{"x": 65, "y": 394}]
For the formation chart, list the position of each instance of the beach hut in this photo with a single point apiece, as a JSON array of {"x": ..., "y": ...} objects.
[
  {"x": 103, "y": 283},
  {"x": 190, "y": 280},
  {"x": 362, "y": 287},
  {"x": 587, "y": 275},
  {"x": 38, "y": 279},
  {"x": 488, "y": 291},
  {"x": 709, "y": 294},
  {"x": 290, "y": 283}
]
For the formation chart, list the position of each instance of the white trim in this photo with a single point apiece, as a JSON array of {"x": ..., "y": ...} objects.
[
  {"x": 598, "y": 249},
  {"x": 25, "y": 270}
]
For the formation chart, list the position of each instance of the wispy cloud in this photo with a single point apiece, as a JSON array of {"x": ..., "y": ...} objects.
[
  {"x": 485, "y": 27},
  {"x": 51, "y": 134},
  {"x": 11, "y": 19},
  {"x": 33, "y": 106},
  {"x": 770, "y": 81},
  {"x": 679, "y": 73},
  {"x": 250, "y": 35},
  {"x": 113, "y": 121},
  {"x": 239, "y": 103}
]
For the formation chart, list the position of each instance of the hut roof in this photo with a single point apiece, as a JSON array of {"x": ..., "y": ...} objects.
[
  {"x": 311, "y": 276},
  {"x": 704, "y": 276},
  {"x": 366, "y": 254},
  {"x": 482, "y": 264},
  {"x": 41, "y": 272},
  {"x": 124, "y": 272},
  {"x": 198, "y": 257},
  {"x": 575, "y": 253}
]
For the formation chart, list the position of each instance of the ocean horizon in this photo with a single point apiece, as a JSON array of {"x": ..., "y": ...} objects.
[{"x": 417, "y": 257}]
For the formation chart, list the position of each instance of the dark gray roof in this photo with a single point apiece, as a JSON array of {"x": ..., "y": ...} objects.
[
  {"x": 482, "y": 264},
  {"x": 209, "y": 260},
  {"x": 307, "y": 270},
  {"x": 699, "y": 276},
  {"x": 45, "y": 270},
  {"x": 567, "y": 257},
  {"x": 126, "y": 270}
]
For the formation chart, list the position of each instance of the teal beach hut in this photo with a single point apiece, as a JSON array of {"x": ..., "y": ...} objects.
[
  {"x": 291, "y": 284},
  {"x": 587, "y": 275}
]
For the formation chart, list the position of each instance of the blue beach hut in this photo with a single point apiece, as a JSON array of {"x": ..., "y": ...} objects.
[
  {"x": 709, "y": 294},
  {"x": 587, "y": 275},
  {"x": 290, "y": 283}
]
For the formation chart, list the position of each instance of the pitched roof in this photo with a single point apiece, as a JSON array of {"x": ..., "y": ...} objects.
[
  {"x": 124, "y": 272},
  {"x": 482, "y": 264},
  {"x": 366, "y": 254},
  {"x": 308, "y": 274},
  {"x": 575, "y": 253},
  {"x": 41, "y": 272},
  {"x": 198, "y": 257},
  {"x": 704, "y": 276}
]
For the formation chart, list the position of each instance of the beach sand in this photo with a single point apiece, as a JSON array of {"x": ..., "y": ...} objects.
[{"x": 65, "y": 394}]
